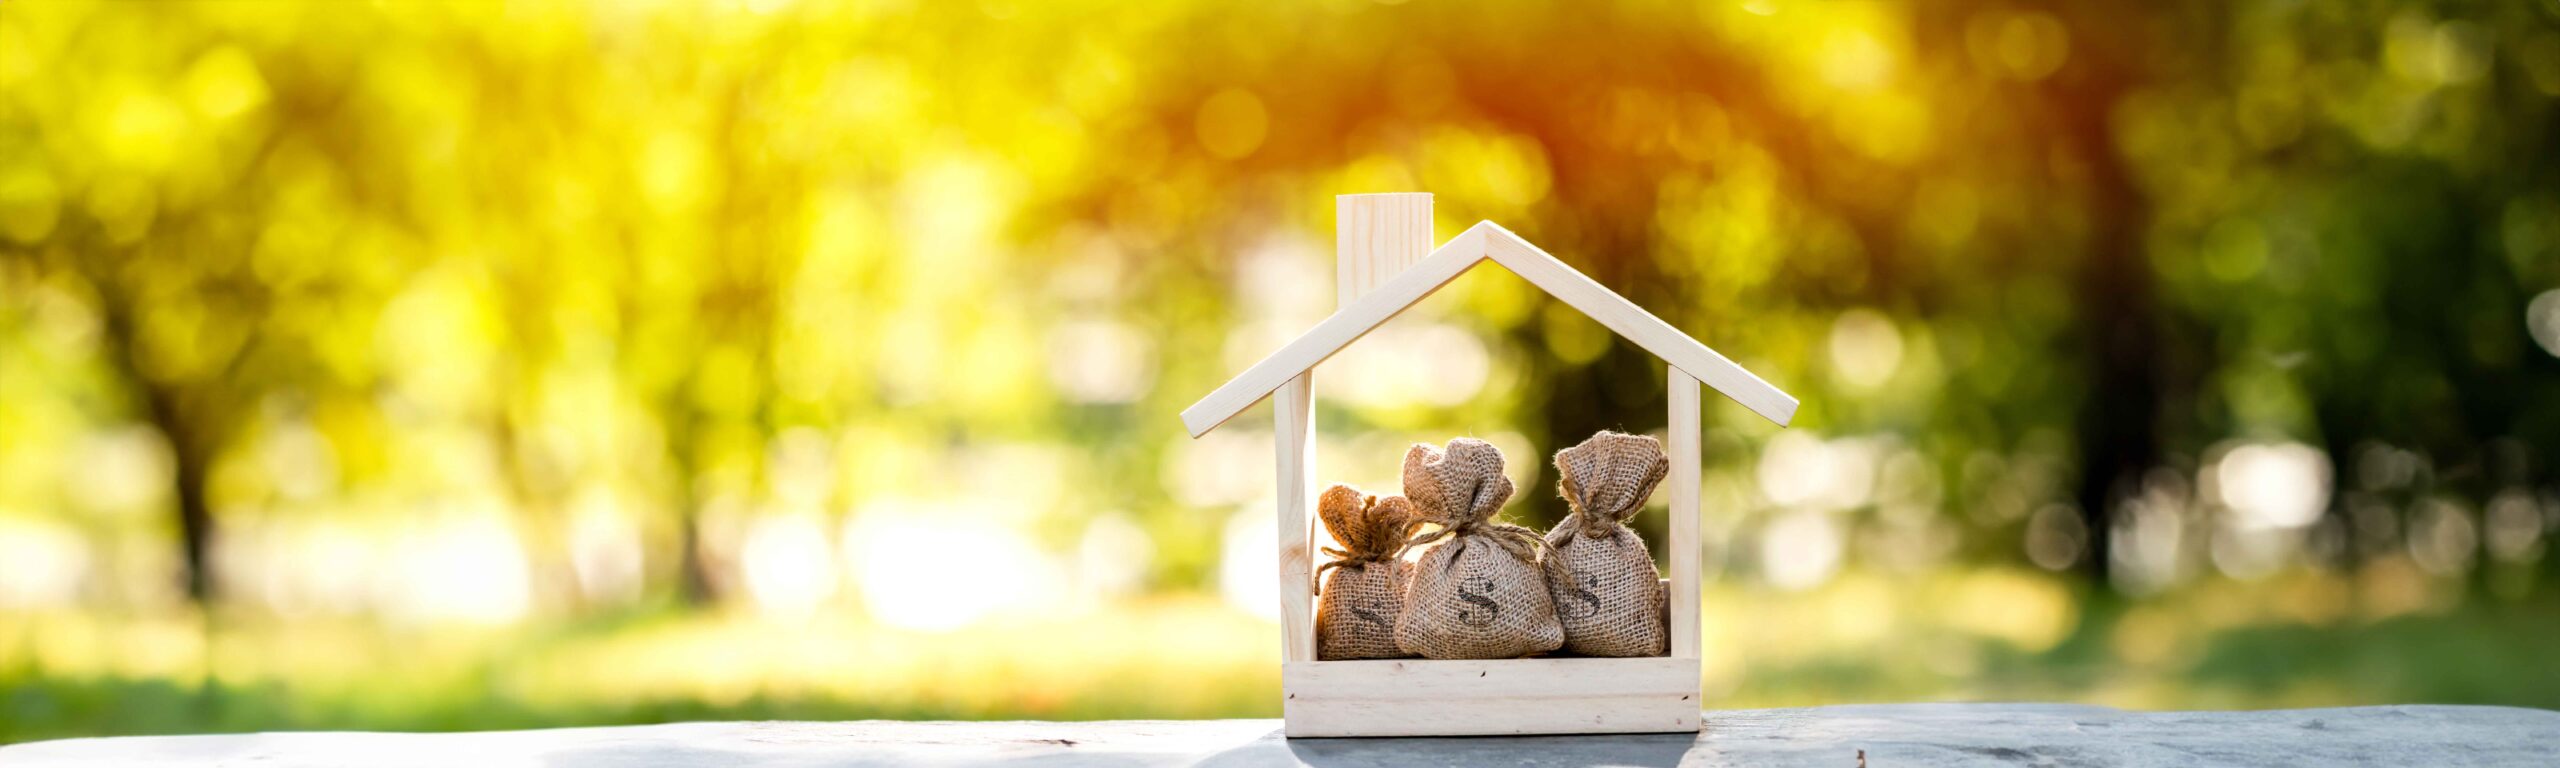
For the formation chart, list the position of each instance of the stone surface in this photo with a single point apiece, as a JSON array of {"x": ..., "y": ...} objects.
[{"x": 1891, "y": 735}]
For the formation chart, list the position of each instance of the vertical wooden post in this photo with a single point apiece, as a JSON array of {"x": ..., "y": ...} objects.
[
  {"x": 1294, "y": 443},
  {"x": 1683, "y": 392},
  {"x": 1376, "y": 238}
]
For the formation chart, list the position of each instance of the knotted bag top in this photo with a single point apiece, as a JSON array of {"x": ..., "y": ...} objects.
[
  {"x": 1606, "y": 480},
  {"x": 1371, "y": 529},
  {"x": 1460, "y": 488}
]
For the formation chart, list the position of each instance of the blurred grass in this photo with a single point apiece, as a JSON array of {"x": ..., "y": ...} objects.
[
  {"x": 2297, "y": 640},
  {"x": 75, "y": 677}
]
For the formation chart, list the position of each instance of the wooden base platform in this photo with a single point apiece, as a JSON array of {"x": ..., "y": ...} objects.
[{"x": 1424, "y": 697}]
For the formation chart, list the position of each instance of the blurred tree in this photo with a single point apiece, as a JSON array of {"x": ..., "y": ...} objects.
[{"x": 2049, "y": 253}]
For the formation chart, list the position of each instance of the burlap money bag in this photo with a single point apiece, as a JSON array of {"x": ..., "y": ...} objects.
[
  {"x": 1363, "y": 591},
  {"x": 1478, "y": 594},
  {"x": 1608, "y": 597}
]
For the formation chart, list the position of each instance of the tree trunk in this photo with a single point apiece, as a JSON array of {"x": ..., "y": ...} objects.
[
  {"x": 694, "y": 576},
  {"x": 195, "y": 513},
  {"x": 2117, "y": 434},
  {"x": 684, "y": 432},
  {"x": 190, "y": 447}
]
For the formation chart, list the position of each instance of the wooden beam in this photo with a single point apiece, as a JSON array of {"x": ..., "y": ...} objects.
[
  {"x": 1346, "y": 325},
  {"x": 1294, "y": 446},
  {"x": 1683, "y": 392},
  {"x": 1634, "y": 324}
]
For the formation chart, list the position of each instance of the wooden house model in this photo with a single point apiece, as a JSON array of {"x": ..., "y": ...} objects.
[{"x": 1386, "y": 262}]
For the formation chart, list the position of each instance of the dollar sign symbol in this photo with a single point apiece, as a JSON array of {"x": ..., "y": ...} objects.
[
  {"x": 1591, "y": 602},
  {"x": 1474, "y": 590},
  {"x": 1365, "y": 614}
]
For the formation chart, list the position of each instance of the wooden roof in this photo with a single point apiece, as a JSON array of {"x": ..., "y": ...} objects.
[{"x": 1487, "y": 241}]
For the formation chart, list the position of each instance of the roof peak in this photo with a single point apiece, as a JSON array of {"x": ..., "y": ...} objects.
[{"x": 1487, "y": 241}]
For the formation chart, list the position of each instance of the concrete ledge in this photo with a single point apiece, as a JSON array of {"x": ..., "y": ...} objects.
[{"x": 1831, "y": 737}]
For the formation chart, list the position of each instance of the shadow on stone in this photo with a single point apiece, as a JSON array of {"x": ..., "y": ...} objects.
[
  {"x": 659, "y": 754},
  {"x": 1653, "y": 749}
]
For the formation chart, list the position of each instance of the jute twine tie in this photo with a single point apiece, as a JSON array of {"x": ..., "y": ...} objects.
[
  {"x": 1606, "y": 480},
  {"x": 1461, "y": 512},
  {"x": 1371, "y": 529}
]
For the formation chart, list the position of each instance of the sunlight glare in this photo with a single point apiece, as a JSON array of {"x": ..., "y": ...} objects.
[
  {"x": 605, "y": 548},
  {"x": 1099, "y": 360},
  {"x": 2442, "y": 538},
  {"x": 937, "y": 567},
  {"x": 1800, "y": 469},
  {"x": 1801, "y": 550},
  {"x": 42, "y": 563},
  {"x": 2542, "y": 321},
  {"x": 1399, "y": 366},
  {"x": 468, "y": 567},
  {"x": 1114, "y": 556},
  {"x": 1865, "y": 348},
  {"x": 1855, "y": 58},
  {"x": 1249, "y": 561},
  {"x": 2513, "y": 527},
  {"x": 2278, "y": 485},
  {"x": 790, "y": 570}
]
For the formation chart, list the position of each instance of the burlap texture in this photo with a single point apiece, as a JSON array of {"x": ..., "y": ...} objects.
[
  {"x": 1607, "y": 595},
  {"x": 1363, "y": 591},
  {"x": 1479, "y": 593}
]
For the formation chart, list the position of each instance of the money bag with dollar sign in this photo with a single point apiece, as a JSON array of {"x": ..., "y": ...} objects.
[
  {"x": 1364, "y": 582},
  {"x": 1607, "y": 594},
  {"x": 1478, "y": 593}
]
